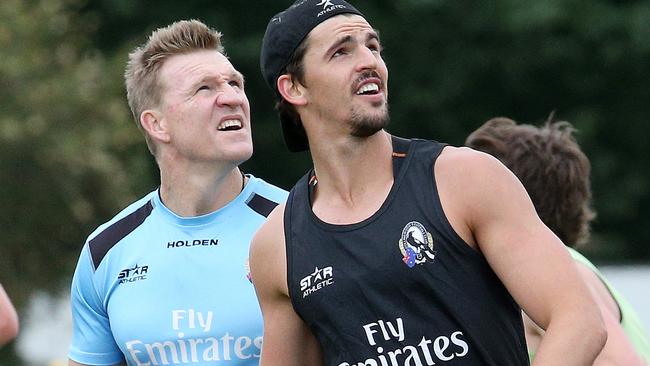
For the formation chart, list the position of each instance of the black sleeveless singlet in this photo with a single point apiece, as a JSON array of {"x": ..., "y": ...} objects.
[{"x": 401, "y": 287}]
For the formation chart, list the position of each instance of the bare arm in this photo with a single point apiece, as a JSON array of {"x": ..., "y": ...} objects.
[
  {"x": 491, "y": 210},
  {"x": 287, "y": 339},
  {"x": 618, "y": 350},
  {"x": 8, "y": 318}
]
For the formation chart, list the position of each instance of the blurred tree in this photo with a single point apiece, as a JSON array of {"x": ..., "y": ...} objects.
[{"x": 69, "y": 153}]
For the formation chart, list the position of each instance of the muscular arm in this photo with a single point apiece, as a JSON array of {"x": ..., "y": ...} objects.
[
  {"x": 8, "y": 318},
  {"x": 491, "y": 210},
  {"x": 287, "y": 339},
  {"x": 618, "y": 350}
]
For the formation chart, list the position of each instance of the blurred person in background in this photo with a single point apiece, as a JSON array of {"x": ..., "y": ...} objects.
[
  {"x": 555, "y": 172},
  {"x": 166, "y": 281},
  {"x": 9, "y": 324}
]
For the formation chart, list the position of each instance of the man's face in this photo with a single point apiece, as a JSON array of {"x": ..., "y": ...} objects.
[
  {"x": 345, "y": 76},
  {"x": 205, "y": 108}
]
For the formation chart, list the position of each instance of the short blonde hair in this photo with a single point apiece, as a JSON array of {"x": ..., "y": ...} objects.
[{"x": 143, "y": 88}]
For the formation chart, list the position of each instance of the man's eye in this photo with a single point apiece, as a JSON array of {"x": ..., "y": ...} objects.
[
  {"x": 235, "y": 83},
  {"x": 203, "y": 87},
  {"x": 339, "y": 52},
  {"x": 375, "y": 47}
]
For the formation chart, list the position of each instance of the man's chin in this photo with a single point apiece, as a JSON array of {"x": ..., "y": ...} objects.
[
  {"x": 369, "y": 125},
  {"x": 238, "y": 154}
]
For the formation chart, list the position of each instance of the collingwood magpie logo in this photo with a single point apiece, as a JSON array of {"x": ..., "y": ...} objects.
[
  {"x": 133, "y": 274},
  {"x": 315, "y": 281},
  {"x": 416, "y": 244}
]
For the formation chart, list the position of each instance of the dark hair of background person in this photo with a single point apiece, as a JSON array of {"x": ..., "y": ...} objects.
[{"x": 550, "y": 164}]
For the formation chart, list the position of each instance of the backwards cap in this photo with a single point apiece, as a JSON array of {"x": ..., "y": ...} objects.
[{"x": 284, "y": 33}]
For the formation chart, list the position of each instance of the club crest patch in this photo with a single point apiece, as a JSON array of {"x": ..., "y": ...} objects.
[{"x": 416, "y": 245}]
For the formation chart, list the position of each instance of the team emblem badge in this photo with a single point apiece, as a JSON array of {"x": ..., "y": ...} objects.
[{"x": 416, "y": 244}]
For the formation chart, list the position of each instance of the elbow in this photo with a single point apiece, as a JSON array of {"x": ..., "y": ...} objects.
[
  {"x": 602, "y": 337},
  {"x": 598, "y": 332},
  {"x": 9, "y": 328}
]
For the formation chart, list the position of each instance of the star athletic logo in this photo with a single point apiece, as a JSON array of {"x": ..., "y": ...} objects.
[
  {"x": 135, "y": 273},
  {"x": 320, "y": 278},
  {"x": 416, "y": 244}
]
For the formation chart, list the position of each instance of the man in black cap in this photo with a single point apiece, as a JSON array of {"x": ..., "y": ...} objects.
[{"x": 394, "y": 251}]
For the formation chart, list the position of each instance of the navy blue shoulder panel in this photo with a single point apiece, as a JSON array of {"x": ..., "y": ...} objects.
[
  {"x": 261, "y": 205},
  {"x": 104, "y": 241}
]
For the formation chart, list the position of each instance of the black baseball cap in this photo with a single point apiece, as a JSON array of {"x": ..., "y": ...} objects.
[{"x": 284, "y": 33}]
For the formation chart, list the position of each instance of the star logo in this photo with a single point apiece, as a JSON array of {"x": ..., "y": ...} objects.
[
  {"x": 132, "y": 274},
  {"x": 326, "y": 3},
  {"x": 314, "y": 281},
  {"x": 317, "y": 275}
]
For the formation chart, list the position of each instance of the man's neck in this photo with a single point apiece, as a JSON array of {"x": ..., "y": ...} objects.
[
  {"x": 353, "y": 179},
  {"x": 195, "y": 192}
]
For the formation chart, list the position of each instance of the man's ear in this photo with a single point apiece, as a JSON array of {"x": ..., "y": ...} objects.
[
  {"x": 155, "y": 125},
  {"x": 292, "y": 91}
]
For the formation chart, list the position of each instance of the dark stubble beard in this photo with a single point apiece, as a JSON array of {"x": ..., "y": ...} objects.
[{"x": 365, "y": 125}]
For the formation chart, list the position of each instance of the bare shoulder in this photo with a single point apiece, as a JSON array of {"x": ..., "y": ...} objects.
[
  {"x": 473, "y": 187},
  {"x": 270, "y": 229},
  {"x": 271, "y": 234},
  {"x": 287, "y": 339},
  {"x": 267, "y": 253},
  {"x": 480, "y": 177},
  {"x": 468, "y": 164}
]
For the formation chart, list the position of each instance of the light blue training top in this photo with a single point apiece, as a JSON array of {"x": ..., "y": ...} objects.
[{"x": 153, "y": 288}]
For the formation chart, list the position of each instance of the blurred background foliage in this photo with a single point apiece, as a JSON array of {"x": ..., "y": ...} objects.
[{"x": 71, "y": 156}]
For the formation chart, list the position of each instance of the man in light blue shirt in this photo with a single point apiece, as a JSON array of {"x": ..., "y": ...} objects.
[{"x": 166, "y": 281}]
